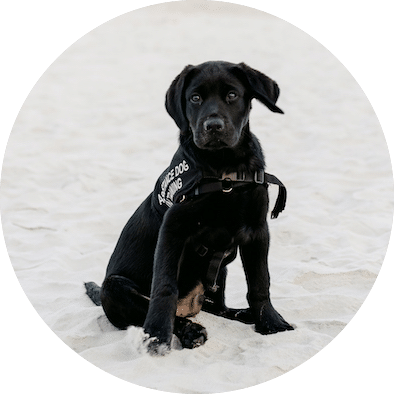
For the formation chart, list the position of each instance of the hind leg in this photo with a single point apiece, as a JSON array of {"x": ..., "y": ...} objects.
[
  {"x": 122, "y": 303},
  {"x": 125, "y": 306}
]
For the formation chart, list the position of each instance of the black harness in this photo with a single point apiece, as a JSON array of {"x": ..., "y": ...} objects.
[{"x": 182, "y": 180}]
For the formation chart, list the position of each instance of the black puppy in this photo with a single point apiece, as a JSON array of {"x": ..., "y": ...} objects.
[{"x": 212, "y": 200}]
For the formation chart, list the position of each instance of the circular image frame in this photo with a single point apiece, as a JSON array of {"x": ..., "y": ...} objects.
[{"x": 361, "y": 337}]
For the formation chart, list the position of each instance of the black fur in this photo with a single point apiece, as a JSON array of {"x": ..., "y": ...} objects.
[{"x": 155, "y": 264}]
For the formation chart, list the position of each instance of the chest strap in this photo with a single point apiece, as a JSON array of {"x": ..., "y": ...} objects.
[
  {"x": 229, "y": 181},
  {"x": 215, "y": 263}
]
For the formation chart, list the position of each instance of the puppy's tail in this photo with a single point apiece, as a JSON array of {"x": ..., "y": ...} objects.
[{"x": 93, "y": 291}]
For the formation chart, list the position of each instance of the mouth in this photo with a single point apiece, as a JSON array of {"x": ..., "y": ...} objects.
[{"x": 215, "y": 144}]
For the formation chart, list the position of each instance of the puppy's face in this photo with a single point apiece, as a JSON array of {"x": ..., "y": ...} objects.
[
  {"x": 217, "y": 109},
  {"x": 212, "y": 101}
]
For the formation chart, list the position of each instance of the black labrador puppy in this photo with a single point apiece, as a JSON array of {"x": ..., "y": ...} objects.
[{"x": 170, "y": 260}]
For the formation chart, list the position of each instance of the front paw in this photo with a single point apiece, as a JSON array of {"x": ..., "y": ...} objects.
[
  {"x": 191, "y": 334},
  {"x": 156, "y": 347},
  {"x": 271, "y": 321},
  {"x": 157, "y": 341}
]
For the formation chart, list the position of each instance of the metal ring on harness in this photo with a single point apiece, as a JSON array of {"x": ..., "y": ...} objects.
[{"x": 227, "y": 185}]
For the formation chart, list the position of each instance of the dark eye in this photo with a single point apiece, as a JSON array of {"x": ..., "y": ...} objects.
[
  {"x": 231, "y": 96},
  {"x": 195, "y": 98}
]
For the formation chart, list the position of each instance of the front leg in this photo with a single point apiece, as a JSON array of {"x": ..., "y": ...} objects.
[
  {"x": 215, "y": 302},
  {"x": 254, "y": 257},
  {"x": 159, "y": 322}
]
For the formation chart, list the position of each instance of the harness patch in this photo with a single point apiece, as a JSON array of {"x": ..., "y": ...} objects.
[
  {"x": 172, "y": 183},
  {"x": 177, "y": 180}
]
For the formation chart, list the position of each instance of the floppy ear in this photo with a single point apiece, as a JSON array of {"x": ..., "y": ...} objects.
[
  {"x": 175, "y": 100},
  {"x": 261, "y": 87}
]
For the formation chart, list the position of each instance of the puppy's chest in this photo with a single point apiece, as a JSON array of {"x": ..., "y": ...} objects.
[{"x": 234, "y": 210}]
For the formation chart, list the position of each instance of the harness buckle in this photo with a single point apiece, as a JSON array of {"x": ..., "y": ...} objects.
[
  {"x": 233, "y": 176},
  {"x": 259, "y": 177},
  {"x": 202, "y": 250}
]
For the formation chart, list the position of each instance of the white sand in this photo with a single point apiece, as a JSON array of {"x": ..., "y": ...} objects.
[{"x": 93, "y": 136}]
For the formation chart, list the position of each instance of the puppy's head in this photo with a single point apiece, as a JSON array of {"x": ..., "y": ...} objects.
[{"x": 212, "y": 101}]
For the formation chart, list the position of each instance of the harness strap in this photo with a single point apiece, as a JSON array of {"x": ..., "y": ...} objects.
[
  {"x": 228, "y": 181},
  {"x": 215, "y": 262},
  {"x": 282, "y": 195},
  {"x": 213, "y": 270}
]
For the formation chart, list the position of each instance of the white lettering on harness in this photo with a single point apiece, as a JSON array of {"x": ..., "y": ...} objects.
[{"x": 171, "y": 183}]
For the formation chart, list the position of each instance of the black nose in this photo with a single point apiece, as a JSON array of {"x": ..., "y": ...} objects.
[{"x": 214, "y": 124}]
